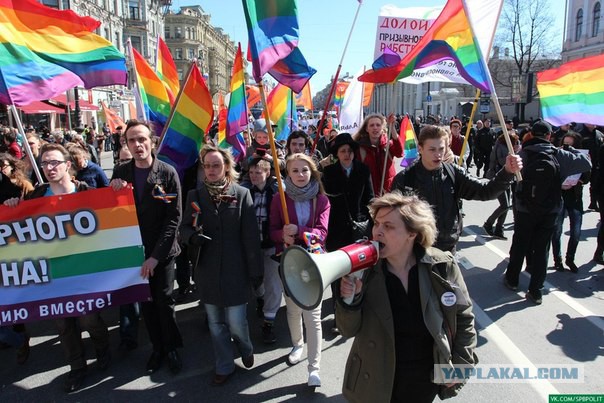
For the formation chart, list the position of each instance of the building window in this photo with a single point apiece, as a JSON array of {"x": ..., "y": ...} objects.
[
  {"x": 190, "y": 53},
  {"x": 51, "y": 3},
  {"x": 134, "y": 10},
  {"x": 180, "y": 74},
  {"x": 178, "y": 53},
  {"x": 65, "y": 5},
  {"x": 118, "y": 44},
  {"x": 178, "y": 34},
  {"x": 107, "y": 34},
  {"x": 167, "y": 32},
  {"x": 137, "y": 43},
  {"x": 596, "y": 27},
  {"x": 579, "y": 25}
]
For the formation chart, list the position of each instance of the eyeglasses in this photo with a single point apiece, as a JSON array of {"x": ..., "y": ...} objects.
[
  {"x": 51, "y": 164},
  {"x": 212, "y": 166}
]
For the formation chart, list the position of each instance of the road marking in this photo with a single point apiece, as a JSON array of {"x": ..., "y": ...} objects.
[
  {"x": 493, "y": 333},
  {"x": 555, "y": 291}
]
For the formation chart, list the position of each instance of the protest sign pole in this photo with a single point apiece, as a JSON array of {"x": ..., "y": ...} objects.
[{"x": 26, "y": 146}]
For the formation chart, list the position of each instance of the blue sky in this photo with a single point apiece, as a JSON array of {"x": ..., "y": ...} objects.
[{"x": 324, "y": 27}]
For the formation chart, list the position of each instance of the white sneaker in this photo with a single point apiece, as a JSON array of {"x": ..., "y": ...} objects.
[
  {"x": 314, "y": 379},
  {"x": 295, "y": 355}
]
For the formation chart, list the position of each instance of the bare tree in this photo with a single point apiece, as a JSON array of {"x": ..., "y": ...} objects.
[{"x": 526, "y": 29}]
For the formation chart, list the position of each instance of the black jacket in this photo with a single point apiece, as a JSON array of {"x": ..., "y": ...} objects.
[
  {"x": 346, "y": 194},
  {"x": 442, "y": 192},
  {"x": 157, "y": 220},
  {"x": 271, "y": 188}
]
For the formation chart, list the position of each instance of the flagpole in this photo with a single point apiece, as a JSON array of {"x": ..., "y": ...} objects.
[
  {"x": 26, "y": 146},
  {"x": 494, "y": 96},
  {"x": 271, "y": 138},
  {"x": 468, "y": 129},
  {"x": 173, "y": 109},
  {"x": 389, "y": 135},
  {"x": 335, "y": 80},
  {"x": 137, "y": 91}
]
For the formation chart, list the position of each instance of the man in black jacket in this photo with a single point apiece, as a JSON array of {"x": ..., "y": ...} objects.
[
  {"x": 158, "y": 208},
  {"x": 442, "y": 184}
]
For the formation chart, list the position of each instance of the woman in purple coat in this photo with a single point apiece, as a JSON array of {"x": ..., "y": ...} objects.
[{"x": 308, "y": 210}]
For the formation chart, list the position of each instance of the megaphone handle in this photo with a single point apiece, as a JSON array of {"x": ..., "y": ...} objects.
[{"x": 355, "y": 275}]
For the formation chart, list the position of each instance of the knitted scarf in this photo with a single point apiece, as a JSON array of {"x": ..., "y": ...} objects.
[
  {"x": 298, "y": 194},
  {"x": 217, "y": 190}
]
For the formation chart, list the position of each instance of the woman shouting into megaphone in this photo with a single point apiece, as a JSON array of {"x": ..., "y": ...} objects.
[{"x": 411, "y": 314}]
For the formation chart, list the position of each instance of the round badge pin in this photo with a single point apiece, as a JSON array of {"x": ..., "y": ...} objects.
[{"x": 448, "y": 298}]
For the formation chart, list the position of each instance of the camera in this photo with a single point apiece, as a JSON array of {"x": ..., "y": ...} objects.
[{"x": 261, "y": 151}]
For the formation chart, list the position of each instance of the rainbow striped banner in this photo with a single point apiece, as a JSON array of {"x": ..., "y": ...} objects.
[
  {"x": 407, "y": 135},
  {"x": 573, "y": 92},
  {"x": 282, "y": 111},
  {"x": 166, "y": 70},
  {"x": 70, "y": 255}
]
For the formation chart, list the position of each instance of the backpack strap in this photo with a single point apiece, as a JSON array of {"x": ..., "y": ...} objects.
[{"x": 450, "y": 171}]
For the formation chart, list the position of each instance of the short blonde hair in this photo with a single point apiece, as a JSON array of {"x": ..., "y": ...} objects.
[
  {"x": 227, "y": 158},
  {"x": 415, "y": 213}
]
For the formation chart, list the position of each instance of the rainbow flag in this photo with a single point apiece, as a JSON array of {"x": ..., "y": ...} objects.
[
  {"x": 407, "y": 137},
  {"x": 282, "y": 111},
  {"x": 574, "y": 92},
  {"x": 449, "y": 37},
  {"x": 166, "y": 70},
  {"x": 304, "y": 98},
  {"x": 273, "y": 42},
  {"x": 154, "y": 96},
  {"x": 341, "y": 87},
  {"x": 87, "y": 261},
  {"x": 237, "y": 111},
  {"x": 222, "y": 123},
  {"x": 191, "y": 120},
  {"x": 45, "y": 52}
]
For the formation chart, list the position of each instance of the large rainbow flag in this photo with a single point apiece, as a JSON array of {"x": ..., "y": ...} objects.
[
  {"x": 191, "y": 120},
  {"x": 449, "y": 38},
  {"x": 574, "y": 92},
  {"x": 237, "y": 112},
  {"x": 273, "y": 42},
  {"x": 85, "y": 255},
  {"x": 282, "y": 111},
  {"x": 154, "y": 96},
  {"x": 44, "y": 52},
  {"x": 166, "y": 70}
]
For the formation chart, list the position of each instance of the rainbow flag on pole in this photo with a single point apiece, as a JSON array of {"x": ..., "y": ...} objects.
[
  {"x": 44, "y": 52},
  {"x": 237, "y": 111},
  {"x": 407, "y": 138},
  {"x": 282, "y": 111},
  {"x": 450, "y": 37},
  {"x": 574, "y": 92},
  {"x": 154, "y": 96},
  {"x": 166, "y": 70},
  {"x": 273, "y": 42},
  {"x": 191, "y": 120},
  {"x": 87, "y": 258}
]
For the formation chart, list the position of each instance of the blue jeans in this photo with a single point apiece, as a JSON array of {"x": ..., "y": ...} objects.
[
  {"x": 129, "y": 317},
  {"x": 226, "y": 323},
  {"x": 10, "y": 337},
  {"x": 576, "y": 220}
]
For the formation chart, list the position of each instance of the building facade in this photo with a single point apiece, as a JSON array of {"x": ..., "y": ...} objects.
[
  {"x": 190, "y": 35},
  {"x": 583, "y": 30}
]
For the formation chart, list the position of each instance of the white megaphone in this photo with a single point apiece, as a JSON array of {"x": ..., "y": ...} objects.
[{"x": 306, "y": 275}]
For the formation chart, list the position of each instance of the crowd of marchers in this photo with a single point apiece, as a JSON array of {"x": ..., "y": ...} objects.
[{"x": 232, "y": 218}]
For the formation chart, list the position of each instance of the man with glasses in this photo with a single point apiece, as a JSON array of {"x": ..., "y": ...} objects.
[
  {"x": 56, "y": 165},
  {"x": 158, "y": 207}
]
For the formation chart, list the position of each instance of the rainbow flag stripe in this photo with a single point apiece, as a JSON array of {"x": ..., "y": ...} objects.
[
  {"x": 44, "y": 52},
  {"x": 281, "y": 109},
  {"x": 237, "y": 111},
  {"x": 101, "y": 265},
  {"x": 449, "y": 37},
  {"x": 409, "y": 144},
  {"x": 166, "y": 70},
  {"x": 193, "y": 115},
  {"x": 574, "y": 92},
  {"x": 154, "y": 96}
]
